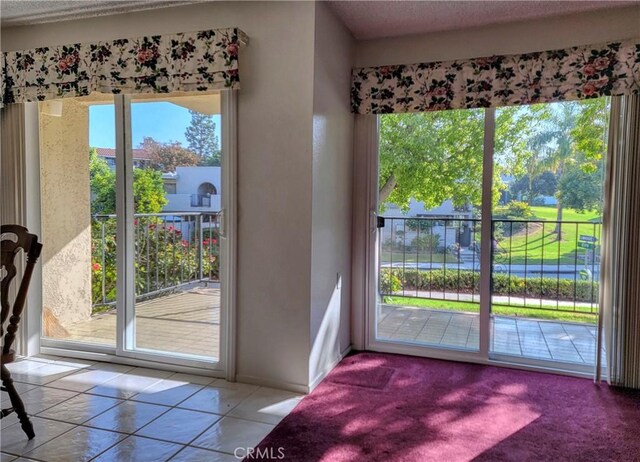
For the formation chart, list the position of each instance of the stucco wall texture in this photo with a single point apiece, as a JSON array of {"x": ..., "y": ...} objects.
[{"x": 66, "y": 217}]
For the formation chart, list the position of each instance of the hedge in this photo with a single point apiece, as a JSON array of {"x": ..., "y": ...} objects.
[{"x": 465, "y": 281}]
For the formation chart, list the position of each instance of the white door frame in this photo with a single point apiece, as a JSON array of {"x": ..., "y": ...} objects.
[
  {"x": 396, "y": 346},
  {"x": 225, "y": 366},
  {"x": 366, "y": 145}
]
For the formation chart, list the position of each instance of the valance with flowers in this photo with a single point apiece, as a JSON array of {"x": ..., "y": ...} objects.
[
  {"x": 191, "y": 61},
  {"x": 541, "y": 77}
]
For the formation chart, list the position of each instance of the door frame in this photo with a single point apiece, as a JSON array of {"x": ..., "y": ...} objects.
[
  {"x": 225, "y": 367},
  {"x": 370, "y": 142},
  {"x": 366, "y": 151}
]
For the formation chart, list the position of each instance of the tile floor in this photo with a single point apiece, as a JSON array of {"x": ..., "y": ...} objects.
[
  {"x": 191, "y": 318},
  {"x": 86, "y": 411},
  {"x": 546, "y": 340}
]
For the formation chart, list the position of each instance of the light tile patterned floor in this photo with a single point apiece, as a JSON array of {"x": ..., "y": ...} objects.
[
  {"x": 557, "y": 341},
  {"x": 85, "y": 411},
  {"x": 191, "y": 319}
]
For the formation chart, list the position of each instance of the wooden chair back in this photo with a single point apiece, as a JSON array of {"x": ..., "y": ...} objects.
[{"x": 13, "y": 239}]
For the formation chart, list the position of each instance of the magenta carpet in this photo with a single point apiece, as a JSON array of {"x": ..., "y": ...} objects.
[{"x": 382, "y": 407}]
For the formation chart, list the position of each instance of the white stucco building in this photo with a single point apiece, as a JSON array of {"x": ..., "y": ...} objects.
[{"x": 193, "y": 189}]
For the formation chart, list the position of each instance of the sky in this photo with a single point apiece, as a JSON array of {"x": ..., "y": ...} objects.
[{"x": 160, "y": 120}]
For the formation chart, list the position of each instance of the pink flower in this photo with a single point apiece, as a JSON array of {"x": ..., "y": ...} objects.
[
  {"x": 589, "y": 89},
  {"x": 589, "y": 70},
  {"x": 601, "y": 63},
  {"x": 232, "y": 49},
  {"x": 185, "y": 243},
  {"x": 206, "y": 242},
  {"x": 96, "y": 267},
  {"x": 440, "y": 91},
  {"x": 145, "y": 54},
  {"x": 386, "y": 70}
]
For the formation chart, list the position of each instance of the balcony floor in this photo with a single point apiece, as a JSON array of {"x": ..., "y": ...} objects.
[
  {"x": 185, "y": 323},
  {"x": 524, "y": 337}
]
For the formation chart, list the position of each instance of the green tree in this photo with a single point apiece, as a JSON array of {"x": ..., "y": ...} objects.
[
  {"x": 165, "y": 157},
  {"x": 581, "y": 189},
  {"x": 544, "y": 184},
  {"x": 148, "y": 188},
  {"x": 102, "y": 180},
  {"x": 201, "y": 138},
  {"x": 572, "y": 134},
  {"x": 435, "y": 156}
]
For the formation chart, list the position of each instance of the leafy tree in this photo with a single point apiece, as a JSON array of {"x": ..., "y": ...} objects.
[
  {"x": 201, "y": 138},
  {"x": 543, "y": 184},
  {"x": 165, "y": 157},
  {"x": 103, "y": 185},
  {"x": 573, "y": 134},
  {"x": 148, "y": 188},
  {"x": 581, "y": 189},
  {"x": 148, "y": 191},
  {"x": 435, "y": 156}
]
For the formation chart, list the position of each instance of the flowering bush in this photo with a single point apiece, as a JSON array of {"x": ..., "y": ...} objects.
[{"x": 166, "y": 256}]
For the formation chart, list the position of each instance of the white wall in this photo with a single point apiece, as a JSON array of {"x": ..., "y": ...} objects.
[
  {"x": 274, "y": 165},
  {"x": 517, "y": 37},
  {"x": 331, "y": 213}
]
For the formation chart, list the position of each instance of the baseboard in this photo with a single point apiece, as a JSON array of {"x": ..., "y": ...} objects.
[
  {"x": 279, "y": 384},
  {"x": 290, "y": 386},
  {"x": 315, "y": 382}
]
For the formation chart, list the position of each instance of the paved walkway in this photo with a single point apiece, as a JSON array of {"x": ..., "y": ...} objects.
[
  {"x": 185, "y": 323},
  {"x": 549, "y": 340}
]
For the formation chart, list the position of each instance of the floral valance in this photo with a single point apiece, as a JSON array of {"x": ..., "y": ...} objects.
[
  {"x": 547, "y": 76},
  {"x": 192, "y": 61}
]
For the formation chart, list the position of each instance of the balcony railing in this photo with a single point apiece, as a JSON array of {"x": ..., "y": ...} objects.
[
  {"x": 200, "y": 200},
  {"x": 439, "y": 259},
  {"x": 171, "y": 250}
]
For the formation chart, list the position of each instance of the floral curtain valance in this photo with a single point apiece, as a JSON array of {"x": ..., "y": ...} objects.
[
  {"x": 192, "y": 61},
  {"x": 548, "y": 76}
]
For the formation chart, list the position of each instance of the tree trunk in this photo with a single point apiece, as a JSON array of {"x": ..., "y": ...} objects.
[
  {"x": 558, "y": 229},
  {"x": 387, "y": 189}
]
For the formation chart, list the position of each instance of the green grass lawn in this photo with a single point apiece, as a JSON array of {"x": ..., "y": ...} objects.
[
  {"x": 539, "y": 244},
  {"x": 514, "y": 310}
]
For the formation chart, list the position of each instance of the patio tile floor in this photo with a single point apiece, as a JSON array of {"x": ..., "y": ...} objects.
[{"x": 548, "y": 340}]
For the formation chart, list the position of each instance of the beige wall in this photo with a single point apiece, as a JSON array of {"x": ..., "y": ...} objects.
[
  {"x": 517, "y": 37},
  {"x": 331, "y": 212},
  {"x": 66, "y": 218},
  {"x": 275, "y": 117}
]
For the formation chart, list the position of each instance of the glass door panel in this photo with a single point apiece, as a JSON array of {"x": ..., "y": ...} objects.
[
  {"x": 177, "y": 191},
  {"x": 430, "y": 189},
  {"x": 547, "y": 219},
  {"x": 78, "y": 220}
]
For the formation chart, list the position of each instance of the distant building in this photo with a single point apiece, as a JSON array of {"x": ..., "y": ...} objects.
[
  {"x": 141, "y": 157},
  {"x": 193, "y": 189}
]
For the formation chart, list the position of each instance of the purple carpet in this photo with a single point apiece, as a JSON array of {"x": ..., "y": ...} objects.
[{"x": 383, "y": 407}]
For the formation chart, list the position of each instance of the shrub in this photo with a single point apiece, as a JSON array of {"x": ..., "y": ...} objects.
[
  {"x": 426, "y": 242},
  {"x": 389, "y": 282},
  {"x": 467, "y": 281}
]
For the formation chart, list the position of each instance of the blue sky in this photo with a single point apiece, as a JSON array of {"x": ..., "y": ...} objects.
[{"x": 162, "y": 121}]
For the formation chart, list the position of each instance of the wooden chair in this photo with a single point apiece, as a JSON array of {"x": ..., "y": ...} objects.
[{"x": 14, "y": 238}]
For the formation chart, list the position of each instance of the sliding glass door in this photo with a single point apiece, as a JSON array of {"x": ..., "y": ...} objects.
[
  {"x": 488, "y": 233},
  {"x": 429, "y": 219},
  {"x": 152, "y": 191}
]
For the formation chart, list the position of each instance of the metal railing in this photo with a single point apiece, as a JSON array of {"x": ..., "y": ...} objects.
[
  {"x": 171, "y": 250},
  {"x": 200, "y": 200},
  {"x": 439, "y": 259}
]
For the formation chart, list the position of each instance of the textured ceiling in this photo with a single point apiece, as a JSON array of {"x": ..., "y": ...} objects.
[
  {"x": 377, "y": 19},
  {"x": 21, "y": 12}
]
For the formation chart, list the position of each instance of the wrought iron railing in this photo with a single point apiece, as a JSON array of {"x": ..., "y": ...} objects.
[
  {"x": 171, "y": 250},
  {"x": 439, "y": 259}
]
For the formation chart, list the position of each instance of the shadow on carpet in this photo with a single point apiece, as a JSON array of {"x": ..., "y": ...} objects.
[{"x": 384, "y": 407}]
